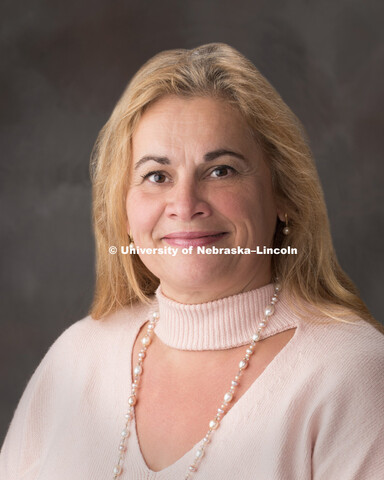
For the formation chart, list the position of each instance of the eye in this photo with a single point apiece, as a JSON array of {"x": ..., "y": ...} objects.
[
  {"x": 222, "y": 171},
  {"x": 155, "y": 177}
]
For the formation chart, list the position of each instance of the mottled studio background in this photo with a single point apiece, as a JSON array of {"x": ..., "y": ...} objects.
[{"x": 64, "y": 65}]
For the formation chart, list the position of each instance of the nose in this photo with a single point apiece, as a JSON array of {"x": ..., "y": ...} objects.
[{"x": 186, "y": 201}]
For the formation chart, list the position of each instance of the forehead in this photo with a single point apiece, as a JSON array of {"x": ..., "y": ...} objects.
[{"x": 196, "y": 121}]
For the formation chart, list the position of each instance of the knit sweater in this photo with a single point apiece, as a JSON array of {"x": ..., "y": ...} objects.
[{"x": 316, "y": 412}]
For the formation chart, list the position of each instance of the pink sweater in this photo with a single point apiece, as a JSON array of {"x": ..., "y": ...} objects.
[{"x": 316, "y": 412}]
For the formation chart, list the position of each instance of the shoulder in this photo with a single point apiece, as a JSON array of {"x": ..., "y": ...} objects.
[
  {"x": 88, "y": 335},
  {"x": 326, "y": 341},
  {"x": 87, "y": 348},
  {"x": 345, "y": 340},
  {"x": 345, "y": 358}
]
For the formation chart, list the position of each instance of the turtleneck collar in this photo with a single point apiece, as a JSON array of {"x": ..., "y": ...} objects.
[{"x": 225, "y": 323}]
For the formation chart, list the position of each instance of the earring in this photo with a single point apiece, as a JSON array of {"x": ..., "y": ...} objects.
[
  {"x": 286, "y": 229},
  {"x": 131, "y": 242}
]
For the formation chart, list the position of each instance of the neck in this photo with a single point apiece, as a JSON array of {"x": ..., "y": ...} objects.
[
  {"x": 220, "y": 324},
  {"x": 202, "y": 295}
]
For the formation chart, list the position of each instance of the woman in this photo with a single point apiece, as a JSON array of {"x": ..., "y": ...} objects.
[{"x": 221, "y": 370}]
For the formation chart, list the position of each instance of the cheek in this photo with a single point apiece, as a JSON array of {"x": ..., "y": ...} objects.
[
  {"x": 250, "y": 208},
  {"x": 238, "y": 205},
  {"x": 142, "y": 213}
]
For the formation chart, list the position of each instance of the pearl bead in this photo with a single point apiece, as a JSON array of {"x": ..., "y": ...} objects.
[
  {"x": 142, "y": 355},
  {"x": 146, "y": 340},
  {"x": 138, "y": 370},
  {"x": 286, "y": 230},
  {"x": 192, "y": 468},
  {"x": 262, "y": 324},
  {"x": 125, "y": 433},
  {"x": 249, "y": 351},
  {"x": 132, "y": 400},
  {"x": 269, "y": 310},
  {"x": 228, "y": 397},
  {"x": 199, "y": 453},
  {"x": 235, "y": 384},
  {"x": 277, "y": 287},
  {"x": 256, "y": 337},
  {"x": 213, "y": 424},
  {"x": 155, "y": 315},
  {"x": 243, "y": 364},
  {"x": 122, "y": 448},
  {"x": 117, "y": 470},
  {"x": 151, "y": 326}
]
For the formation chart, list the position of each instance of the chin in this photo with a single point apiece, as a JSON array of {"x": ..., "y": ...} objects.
[{"x": 198, "y": 274}]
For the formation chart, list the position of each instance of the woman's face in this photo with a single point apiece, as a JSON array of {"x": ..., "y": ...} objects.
[{"x": 198, "y": 178}]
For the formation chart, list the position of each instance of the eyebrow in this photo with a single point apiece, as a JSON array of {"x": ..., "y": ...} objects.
[
  {"x": 221, "y": 152},
  {"x": 208, "y": 157}
]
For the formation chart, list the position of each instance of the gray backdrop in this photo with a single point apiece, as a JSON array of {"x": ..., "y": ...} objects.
[{"x": 63, "y": 67}]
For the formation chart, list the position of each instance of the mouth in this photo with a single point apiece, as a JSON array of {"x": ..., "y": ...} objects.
[{"x": 195, "y": 239}]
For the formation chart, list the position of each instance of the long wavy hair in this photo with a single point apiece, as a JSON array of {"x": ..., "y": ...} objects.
[{"x": 312, "y": 277}]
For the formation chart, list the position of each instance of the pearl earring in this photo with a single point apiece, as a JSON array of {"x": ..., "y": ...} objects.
[
  {"x": 286, "y": 229},
  {"x": 131, "y": 242}
]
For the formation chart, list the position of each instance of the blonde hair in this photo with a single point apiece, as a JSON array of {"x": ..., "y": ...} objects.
[{"x": 219, "y": 71}]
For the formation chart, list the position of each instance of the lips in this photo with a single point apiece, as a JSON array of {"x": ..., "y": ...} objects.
[{"x": 196, "y": 239}]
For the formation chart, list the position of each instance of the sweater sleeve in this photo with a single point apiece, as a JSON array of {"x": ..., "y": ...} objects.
[
  {"x": 24, "y": 429},
  {"x": 350, "y": 441},
  {"x": 38, "y": 412}
]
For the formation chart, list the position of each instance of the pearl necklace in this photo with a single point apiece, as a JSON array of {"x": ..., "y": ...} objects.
[{"x": 228, "y": 397}]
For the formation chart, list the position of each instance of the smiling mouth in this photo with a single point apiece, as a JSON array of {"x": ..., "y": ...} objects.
[{"x": 195, "y": 239}]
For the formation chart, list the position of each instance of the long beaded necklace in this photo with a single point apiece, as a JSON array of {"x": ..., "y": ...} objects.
[{"x": 221, "y": 411}]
